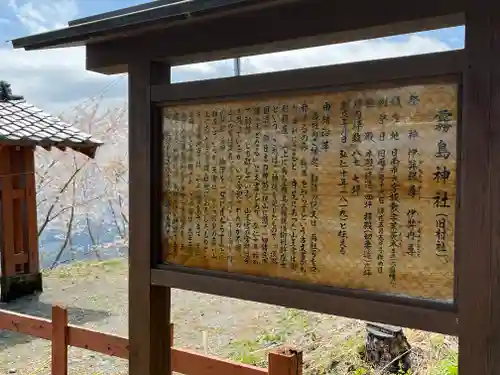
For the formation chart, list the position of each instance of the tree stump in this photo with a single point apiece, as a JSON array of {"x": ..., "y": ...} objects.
[{"x": 387, "y": 347}]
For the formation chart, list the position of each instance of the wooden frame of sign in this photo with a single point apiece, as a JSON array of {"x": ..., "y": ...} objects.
[
  {"x": 458, "y": 296},
  {"x": 343, "y": 277}
]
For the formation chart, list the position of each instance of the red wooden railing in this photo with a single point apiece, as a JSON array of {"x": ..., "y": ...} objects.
[{"x": 187, "y": 362}]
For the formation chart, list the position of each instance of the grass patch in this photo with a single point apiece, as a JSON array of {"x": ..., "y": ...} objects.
[
  {"x": 331, "y": 346},
  {"x": 87, "y": 269},
  {"x": 447, "y": 365}
]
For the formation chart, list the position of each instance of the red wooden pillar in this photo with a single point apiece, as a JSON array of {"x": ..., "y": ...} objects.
[{"x": 20, "y": 274}]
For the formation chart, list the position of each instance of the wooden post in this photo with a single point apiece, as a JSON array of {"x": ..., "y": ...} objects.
[
  {"x": 59, "y": 341},
  {"x": 149, "y": 306},
  {"x": 19, "y": 252},
  {"x": 171, "y": 345},
  {"x": 285, "y": 362},
  {"x": 478, "y": 244},
  {"x": 31, "y": 220},
  {"x": 7, "y": 228}
]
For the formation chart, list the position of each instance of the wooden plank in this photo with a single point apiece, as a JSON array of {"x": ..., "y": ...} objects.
[
  {"x": 439, "y": 318},
  {"x": 100, "y": 342},
  {"x": 321, "y": 22},
  {"x": 285, "y": 362},
  {"x": 191, "y": 363},
  {"x": 17, "y": 167},
  {"x": 401, "y": 70},
  {"x": 149, "y": 307},
  {"x": 493, "y": 333},
  {"x": 139, "y": 260},
  {"x": 20, "y": 258},
  {"x": 184, "y": 361},
  {"x": 26, "y": 324},
  {"x": 31, "y": 220},
  {"x": 8, "y": 250},
  {"x": 59, "y": 341},
  {"x": 160, "y": 297},
  {"x": 160, "y": 339},
  {"x": 18, "y": 223},
  {"x": 18, "y": 194},
  {"x": 478, "y": 221}
]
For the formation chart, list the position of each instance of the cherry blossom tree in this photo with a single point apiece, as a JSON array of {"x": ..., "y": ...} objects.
[{"x": 82, "y": 203}]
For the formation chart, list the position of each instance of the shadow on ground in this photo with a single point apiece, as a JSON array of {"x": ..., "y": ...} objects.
[{"x": 34, "y": 306}]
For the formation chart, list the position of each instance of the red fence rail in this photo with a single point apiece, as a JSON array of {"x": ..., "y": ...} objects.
[{"x": 62, "y": 335}]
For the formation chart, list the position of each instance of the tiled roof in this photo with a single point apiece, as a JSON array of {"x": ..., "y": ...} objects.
[{"x": 24, "y": 124}]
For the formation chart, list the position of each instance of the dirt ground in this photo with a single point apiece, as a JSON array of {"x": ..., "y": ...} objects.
[{"x": 96, "y": 295}]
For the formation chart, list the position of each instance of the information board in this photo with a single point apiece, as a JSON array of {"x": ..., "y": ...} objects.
[{"x": 352, "y": 189}]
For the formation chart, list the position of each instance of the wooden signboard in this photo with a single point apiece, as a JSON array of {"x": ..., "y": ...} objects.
[
  {"x": 351, "y": 189},
  {"x": 331, "y": 189}
]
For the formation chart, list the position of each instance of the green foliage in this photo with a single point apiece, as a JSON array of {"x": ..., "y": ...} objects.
[
  {"x": 448, "y": 365},
  {"x": 252, "y": 352},
  {"x": 245, "y": 351},
  {"x": 87, "y": 268},
  {"x": 361, "y": 371},
  {"x": 327, "y": 354}
]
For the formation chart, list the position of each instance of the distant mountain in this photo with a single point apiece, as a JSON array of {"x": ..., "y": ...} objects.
[{"x": 51, "y": 241}]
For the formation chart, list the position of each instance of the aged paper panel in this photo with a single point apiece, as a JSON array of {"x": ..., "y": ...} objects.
[{"x": 349, "y": 189}]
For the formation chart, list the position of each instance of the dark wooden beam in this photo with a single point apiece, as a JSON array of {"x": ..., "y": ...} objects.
[
  {"x": 440, "y": 317},
  {"x": 442, "y": 66},
  {"x": 478, "y": 230},
  {"x": 149, "y": 306},
  {"x": 297, "y": 25}
]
